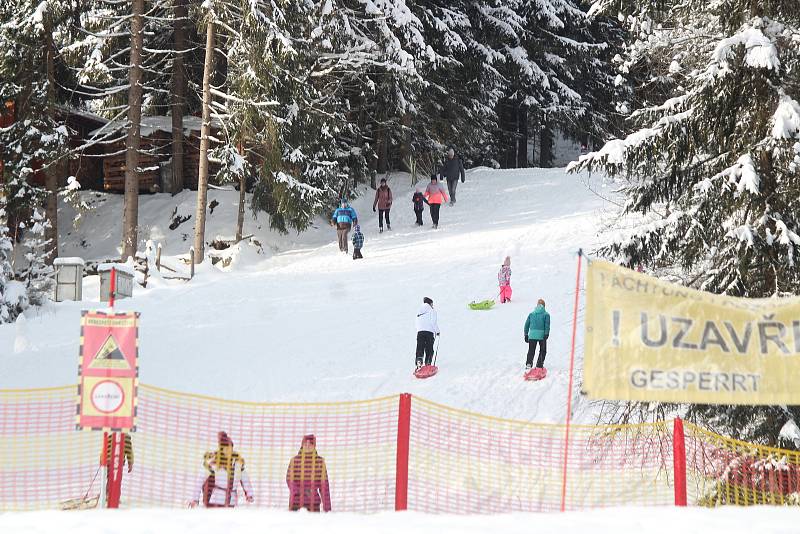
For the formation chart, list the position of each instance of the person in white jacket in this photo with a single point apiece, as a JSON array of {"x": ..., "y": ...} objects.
[
  {"x": 225, "y": 473},
  {"x": 427, "y": 329}
]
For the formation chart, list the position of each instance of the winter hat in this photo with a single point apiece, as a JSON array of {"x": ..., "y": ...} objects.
[
  {"x": 507, "y": 262},
  {"x": 224, "y": 439},
  {"x": 433, "y": 176},
  {"x": 427, "y": 300},
  {"x": 309, "y": 438},
  {"x": 358, "y": 228},
  {"x": 383, "y": 180},
  {"x": 540, "y": 301}
]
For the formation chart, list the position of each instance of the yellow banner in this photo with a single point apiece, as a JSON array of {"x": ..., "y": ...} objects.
[{"x": 649, "y": 340}]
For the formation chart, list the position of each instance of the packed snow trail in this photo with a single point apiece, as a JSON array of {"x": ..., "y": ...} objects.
[
  {"x": 307, "y": 323},
  {"x": 657, "y": 520}
]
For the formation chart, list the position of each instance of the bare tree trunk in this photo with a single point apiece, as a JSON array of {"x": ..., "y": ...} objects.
[
  {"x": 202, "y": 178},
  {"x": 405, "y": 146},
  {"x": 545, "y": 144},
  {"x": 240, "y": 217},
  {"x": 522, "y": 141},
  {"x": 383, "y": 150},
  {"x": 179, "y": 90},
  {"x": 131, "y": 217},
  {"x": 51, "y": 172}
]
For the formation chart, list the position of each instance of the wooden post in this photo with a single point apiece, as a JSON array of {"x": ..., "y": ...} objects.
[
  {"x": 158, "y": 257},
  {"x": 191, "y": 257}
]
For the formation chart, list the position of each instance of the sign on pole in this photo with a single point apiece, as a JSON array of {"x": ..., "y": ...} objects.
[
  {"x": 649, "y": 340},
  {"x": 108, "y": 371}
]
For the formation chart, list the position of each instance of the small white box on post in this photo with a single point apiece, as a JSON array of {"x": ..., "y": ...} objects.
[
  {"x": 69, "y": 278},
  {"x": 123, "y": 280}
]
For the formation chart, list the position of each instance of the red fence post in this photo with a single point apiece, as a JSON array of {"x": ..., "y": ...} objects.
[
  {"x": 403, "y": 434},
  {"x": 679, "y": 461},
  {"x": 112, "y": 288},
  {"x": 115, "y": 469}
]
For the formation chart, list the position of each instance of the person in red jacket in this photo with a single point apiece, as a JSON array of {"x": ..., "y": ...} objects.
[
  {"x": 307, "y": 478},
  {"x": 436, "y": 195},
  {"x": 383, "y": 200}
]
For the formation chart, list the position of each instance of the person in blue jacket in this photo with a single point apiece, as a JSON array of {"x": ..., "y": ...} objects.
[
  {"x": 343, "y": 219},
  {"x": 537, "y": 330}
]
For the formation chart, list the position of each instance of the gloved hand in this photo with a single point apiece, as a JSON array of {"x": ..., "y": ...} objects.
[
  {"x": 437, "y": 334},
  {"x": 462, "y": 180},
  {"x": 526, "y": 338},
  {"x": 545, "y": 337},
  {"x": 373, "y": 209}
]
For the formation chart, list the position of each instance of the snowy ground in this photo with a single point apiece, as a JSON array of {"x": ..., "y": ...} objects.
[
  {"x": 303, "y": 322},
  {"x": 763, "y": 519}
]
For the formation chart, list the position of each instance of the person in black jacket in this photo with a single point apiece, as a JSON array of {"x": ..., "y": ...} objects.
[
  {"x": 419, "y": 201},
  {"x": 452, "y": 169}
]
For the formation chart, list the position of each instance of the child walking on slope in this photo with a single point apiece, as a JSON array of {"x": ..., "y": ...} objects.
[
  {"x": 504, "y": 279},
  {"x": 419, "y": 201},
  {"x": 358, "y": 242}
]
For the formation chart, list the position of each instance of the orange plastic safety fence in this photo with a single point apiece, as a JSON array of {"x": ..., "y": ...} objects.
[
  {"x": 723, "y": 471},
  {"x": 462, "y": 462},
  {"x": 175, "y": 431},
  {"x": 44, "y": 462},
  {"x": 458, "y": 462}
]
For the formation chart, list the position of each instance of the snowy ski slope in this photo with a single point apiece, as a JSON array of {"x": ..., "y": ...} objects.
[{"x": 303, "y": 322}]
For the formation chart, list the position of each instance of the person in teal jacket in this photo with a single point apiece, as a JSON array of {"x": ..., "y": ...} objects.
[
  {"x": 343, "y": 219},
  {"x": 537, "y": 330}
]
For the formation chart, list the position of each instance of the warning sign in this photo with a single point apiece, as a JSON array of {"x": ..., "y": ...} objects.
[
  {"x": 108, "y": 369},
  {"x": 109, "y": 356}
]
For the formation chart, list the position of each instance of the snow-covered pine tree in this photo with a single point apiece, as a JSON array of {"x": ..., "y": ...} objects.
[
  {"x": 33, "y": 84},
  {"x": 711, "y": 170},
  {"x": 105, "y": 62},
  {"x": 37, "y": 274},
  {"x": 10, "y": 305}
]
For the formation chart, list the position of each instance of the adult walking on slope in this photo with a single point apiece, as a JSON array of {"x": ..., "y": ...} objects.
[
  {"x": 307, "y": 478},
  {"x": 383, "y": 201},
  {"x": 427, "y": 330},
  {"x": 452, "y": 169},
  {"x": 537, "y": 330},
  {"x": 436, "y": 195},
  {"x": 343, "y": 218}
]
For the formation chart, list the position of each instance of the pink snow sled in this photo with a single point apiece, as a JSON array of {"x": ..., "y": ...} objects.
[
  {"x": 535, "y": 374},
  {"x": 426, "y": 371}
]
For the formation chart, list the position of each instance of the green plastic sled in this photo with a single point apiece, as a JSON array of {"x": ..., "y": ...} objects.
[{"x": 482, "y": 305}]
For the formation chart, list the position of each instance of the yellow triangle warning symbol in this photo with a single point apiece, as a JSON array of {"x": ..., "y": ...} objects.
[{"x": 109, "y": 356}]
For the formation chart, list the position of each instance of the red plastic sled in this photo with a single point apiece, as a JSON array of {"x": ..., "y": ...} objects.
[
  {"x": 426, "y": 371},
  {"x": 535, "y": 374}
]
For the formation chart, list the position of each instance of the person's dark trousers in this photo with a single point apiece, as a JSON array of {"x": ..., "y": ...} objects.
[
  {"x": 435, "y": 213},
  {"x": 381, "y": 215},
  {"x": 418, "y": 213},
  {"x": 451, "y": 188},
  {"x": 357, "y": 254},
  {"x": 425, "y": 347},
  {"x": 532, "y": 351}
]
